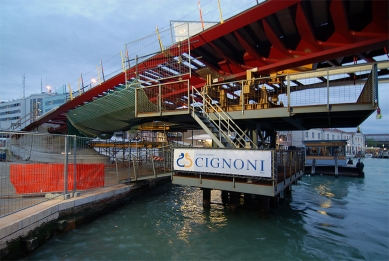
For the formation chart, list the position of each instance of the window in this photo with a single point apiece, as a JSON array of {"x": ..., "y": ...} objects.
[
  {"x": 318, "y": 136},
  {"x": 333, "y": 136},
  {"x": 313, "y": 135},
  {"x": 306, "y": 134},
  {"x": 328, "y": 136}
]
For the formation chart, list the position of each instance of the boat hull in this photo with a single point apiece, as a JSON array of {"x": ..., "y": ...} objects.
[{"x": 348, "y": 171}]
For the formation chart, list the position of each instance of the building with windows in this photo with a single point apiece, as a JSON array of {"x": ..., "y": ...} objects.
[
  {"x": 16, "y": 114},
  {"x": 355, "y": 140},
  {"x": 284, "y": 139},
  {"x": 53, "y": 100}
]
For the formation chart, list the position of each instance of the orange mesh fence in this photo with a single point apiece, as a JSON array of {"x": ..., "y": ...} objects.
[{"x": 35, "y": 178}]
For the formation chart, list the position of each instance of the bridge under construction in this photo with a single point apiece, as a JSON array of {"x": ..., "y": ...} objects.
[{"x": 281, "y": 65}]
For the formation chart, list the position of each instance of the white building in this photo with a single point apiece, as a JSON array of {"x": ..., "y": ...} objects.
[
  {"x": 16, "y": 114},
  {"x": 355, "y": 140}
]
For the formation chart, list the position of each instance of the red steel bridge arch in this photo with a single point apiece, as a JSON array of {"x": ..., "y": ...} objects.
[{"x": 273, "y": 36}]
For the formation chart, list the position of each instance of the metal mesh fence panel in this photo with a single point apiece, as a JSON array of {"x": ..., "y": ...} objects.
[
  {"x": 331, "y": 86},
  {"x": 171, "y": 96},
  {"x": 38, "y": 167}
]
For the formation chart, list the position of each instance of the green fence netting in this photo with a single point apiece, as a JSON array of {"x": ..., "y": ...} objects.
[{"x": 112, "y": 112}]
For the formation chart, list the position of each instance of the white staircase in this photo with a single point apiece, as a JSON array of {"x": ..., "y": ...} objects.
[{"x": 218, "y": 124}]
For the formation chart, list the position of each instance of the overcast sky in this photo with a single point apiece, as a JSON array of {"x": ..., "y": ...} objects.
[{"x": 52, "y": 42}]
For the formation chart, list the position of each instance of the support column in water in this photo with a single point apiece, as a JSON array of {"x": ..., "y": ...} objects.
[
  {"x": 264, "y": 207},
  {"x": 247, "y": 199},
  {"x": 313, "y": 167},
  {"x": 274, "y": 201},
  {"x": 234, "y": 201},
  {"x": 206, "y": 198},
  {"x": 288, "y": 191},
  {"x": 225, "y": 199}
]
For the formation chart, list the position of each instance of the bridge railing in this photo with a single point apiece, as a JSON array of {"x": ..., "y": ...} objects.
[
  {"x": 332, "y": 86},
  {"x": 165, "y": 97},
  {"x": 349, "y": 84},
  {"x": 36, "y": 167}
]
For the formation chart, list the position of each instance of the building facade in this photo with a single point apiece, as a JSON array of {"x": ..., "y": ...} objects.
[
  {"x": 17, "y": 114},
  {"x": 355, "y": 140}
]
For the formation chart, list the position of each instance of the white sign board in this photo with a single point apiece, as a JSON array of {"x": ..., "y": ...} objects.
[
  {"x": 256, "y": 163},
  {"x": 183, "y": 30}
]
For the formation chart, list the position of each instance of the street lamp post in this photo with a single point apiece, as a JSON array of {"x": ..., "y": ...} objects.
[{"x": 92, "y": 81}]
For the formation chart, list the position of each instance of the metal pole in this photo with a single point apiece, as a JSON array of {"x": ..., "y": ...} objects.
[
  {"x": 189, "y": 98},
  {"x": 74, "y": 164},
  {"x": 117, "y": 171},
  {"x": 160, "y": 99},
  {"x": 137, "y": 73},
  {"x": 171, "y": 33},
  {"x": 136, "y": 102},
  {"x": 153, "y": 163},
  {"x": 164, "y": 158},
  {"x": 65, "y": 184},
  {"x": 189, "y": 57},
  {"x": 288, "y": 91},
  {"x": 328, "y": 89},
  {"x": 375, "y": 86},
  {"x": 242, "y": 93},
  {"x": 129, "y": 160},
  {"x": 135, "y": 168}
]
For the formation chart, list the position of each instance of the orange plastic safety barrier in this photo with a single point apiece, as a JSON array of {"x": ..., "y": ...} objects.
[{"x": 35, "y": 178}]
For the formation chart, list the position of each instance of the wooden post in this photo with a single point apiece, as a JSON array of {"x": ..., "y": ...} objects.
[{"x": 313, "y": 167}]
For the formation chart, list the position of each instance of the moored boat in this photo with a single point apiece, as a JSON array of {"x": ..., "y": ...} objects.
[{"x": 328, "y": 157}]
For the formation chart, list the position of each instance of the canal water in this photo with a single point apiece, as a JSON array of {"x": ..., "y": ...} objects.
[{"x": 326, "y": 218}]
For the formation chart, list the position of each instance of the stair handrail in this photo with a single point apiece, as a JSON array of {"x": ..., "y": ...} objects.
[
  {"x": 239, "y": 133},
  {"x": 32, "y": 116}
]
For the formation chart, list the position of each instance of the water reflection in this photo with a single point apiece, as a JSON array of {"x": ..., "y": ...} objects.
[{"x": 325, "y": 219}]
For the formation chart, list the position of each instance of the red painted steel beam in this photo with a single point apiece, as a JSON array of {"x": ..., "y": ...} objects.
[
  {"x": 308, "y": 42},
  {"x": 245, "y": 18},
  {"x": 250, "y": 50},
  {"x": 346, "y": 50}
]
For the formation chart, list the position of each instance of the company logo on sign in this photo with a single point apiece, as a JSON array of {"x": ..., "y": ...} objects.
[
  {"x": 239, "y": 162},
  {"x": 184, "y": 161}
]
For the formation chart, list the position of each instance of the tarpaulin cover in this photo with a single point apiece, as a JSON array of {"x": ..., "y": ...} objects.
[{"x": 35, "y": 178}]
